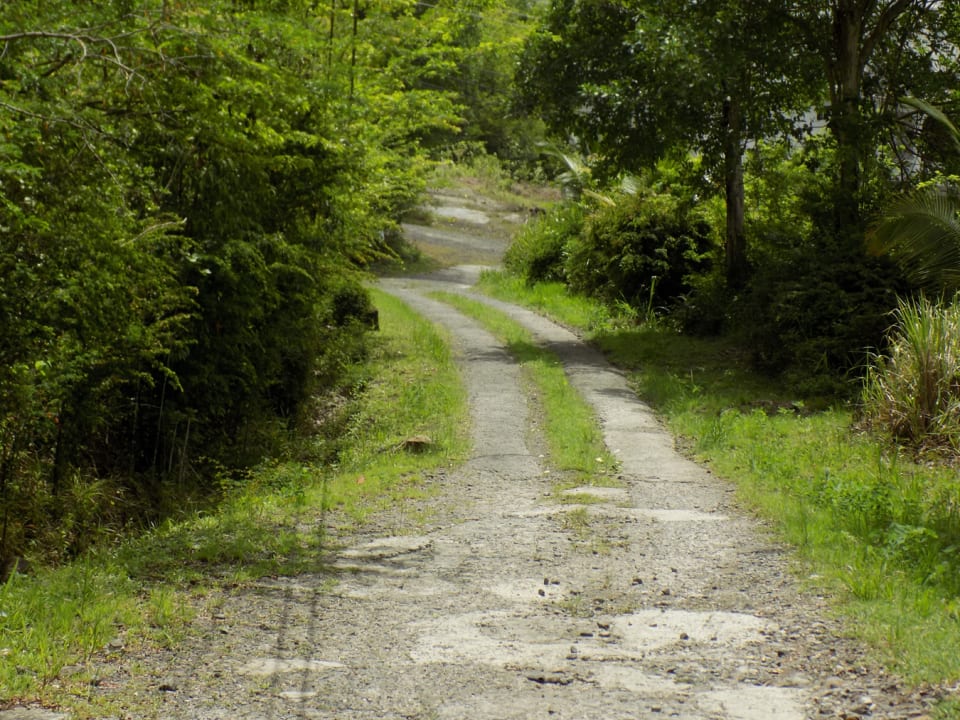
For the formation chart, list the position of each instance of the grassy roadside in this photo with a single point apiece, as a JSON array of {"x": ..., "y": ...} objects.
[
  {"x": 575, "y": 443},
  {"x": 877, "y": 530},
  {"x": 55, "y": 624}
]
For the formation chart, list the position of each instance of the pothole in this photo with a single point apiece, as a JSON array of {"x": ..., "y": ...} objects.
[
  {"x": 613, "y": 511},
  {"x": 298, "y": 695},
  {"x": 526, "y": 591},
  {"x": 671, "y": 516},
  {"x": 489, "y": 638},
  {"x": 31, "y": 714},
  {"x": 747, "y": 702}
]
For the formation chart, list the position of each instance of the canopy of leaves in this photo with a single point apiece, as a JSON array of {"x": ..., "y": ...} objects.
[
  {"x": 635, "y": 78},
  {"x": 190, "y": 193}
]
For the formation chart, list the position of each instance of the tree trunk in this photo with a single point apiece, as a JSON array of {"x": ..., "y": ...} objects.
[
  {"x": 735, "y": 243},
  {"x": 846, "y": 122},
  {"x": 858, "y": 26}
]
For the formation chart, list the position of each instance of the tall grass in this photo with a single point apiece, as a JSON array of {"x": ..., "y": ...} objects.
[{"x": 913, "y": 392}]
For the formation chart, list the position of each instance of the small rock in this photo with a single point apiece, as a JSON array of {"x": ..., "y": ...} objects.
[{"x": 417, "y": 443}]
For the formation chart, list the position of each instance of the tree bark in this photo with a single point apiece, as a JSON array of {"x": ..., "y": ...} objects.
[
  {"x": 857, "y": 30},
  {"x": 846, "y": 121},
  {"x": 735, "y": 244}
]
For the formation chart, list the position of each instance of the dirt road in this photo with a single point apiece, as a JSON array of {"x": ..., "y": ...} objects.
[{"x": 658, "y": 599}]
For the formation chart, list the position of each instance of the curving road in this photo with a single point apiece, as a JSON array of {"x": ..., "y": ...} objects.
[{"x": 657, "y": 599}]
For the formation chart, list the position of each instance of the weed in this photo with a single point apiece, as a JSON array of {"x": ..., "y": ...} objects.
[
  {"x": 574, "y": 605},
  {"x": 576, "y": 521}
]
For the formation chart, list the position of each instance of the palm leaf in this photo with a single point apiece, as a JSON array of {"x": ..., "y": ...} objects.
[
  {"x": 921, "y": 232},
  {"x": 937, "y": 115}
]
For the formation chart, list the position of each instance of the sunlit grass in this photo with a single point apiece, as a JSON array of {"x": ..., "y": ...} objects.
[
  {"x": 576, "y": 447},
  {"x": 876, "y": 529},
  {"x": 418, "y": 393},
  {"x": 552, "y": 299}
]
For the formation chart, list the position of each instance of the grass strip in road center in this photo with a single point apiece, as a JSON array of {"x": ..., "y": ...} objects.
[{"x": 573, "y": 435}]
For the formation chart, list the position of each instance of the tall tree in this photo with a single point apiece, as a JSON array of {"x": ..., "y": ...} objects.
[
  {"x": 864, "y": 46},
  {"x": 189, "y": 196},
  {"x": 636, "y": 78}
]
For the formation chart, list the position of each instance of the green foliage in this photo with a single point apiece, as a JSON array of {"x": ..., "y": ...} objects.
[
  {"x": 553, "y": 299},
  {"x": 911, "y": 392},
  {"x": 641, "y": 251},
  {"x": 921, "y": 233},
  {"x": 921, "y": 230},
  {"x": 190, "y": 196},
  {"x": 538, "y": 251},
  {"x": 783, "y": 187},
  {"x": 636, "y": 81},
  {"x": 816, "y": 312}
]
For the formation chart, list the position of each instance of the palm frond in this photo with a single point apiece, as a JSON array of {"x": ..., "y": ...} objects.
[
  {"x": 921, "y": 232},
  {"x": 937, "y": 115}
]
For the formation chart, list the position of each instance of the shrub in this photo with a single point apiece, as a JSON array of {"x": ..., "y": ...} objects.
[
  {"x": 538, "y": 251},
  {"x": 814, "y": 312},
  {"x": 641, "y": 251}
]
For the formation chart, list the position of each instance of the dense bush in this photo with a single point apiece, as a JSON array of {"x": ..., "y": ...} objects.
[
  {"x": 641, "y": 251},
  {"x": 538, "y": 250},
  {"x": 816, "y": 311},
  {"x": 189, "y": 194}
]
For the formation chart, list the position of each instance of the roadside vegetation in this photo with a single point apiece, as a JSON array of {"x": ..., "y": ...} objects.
[
  {"x": 764, "y": 231},
  {"x": 875, "y": 525},
  {"x": 57, "y": 624},
  {"x": 759, "y": 219},
  {"x": 192, "y": 195}
]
